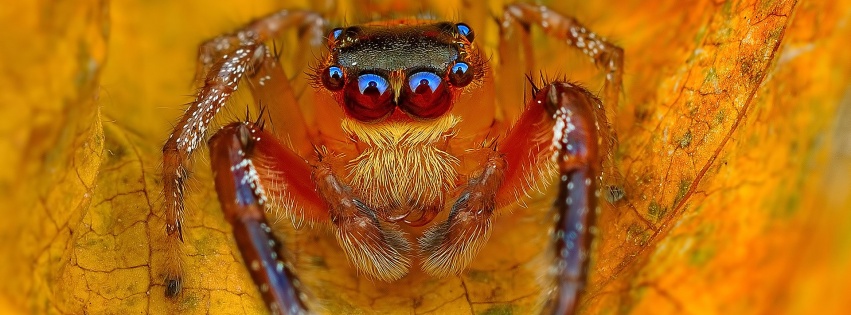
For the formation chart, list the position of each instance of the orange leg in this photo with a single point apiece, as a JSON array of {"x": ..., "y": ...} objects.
[
  {"x": 239, "y": 185},
  {"x": 223, "y": 63},
  {"x": 576, "y": 143},
  {"x": 608, "y": 57},
  {"x": 605, "y": 55},
  {"x": 562, "y": 131},
  {"x": 583, "y": 141},
  {"x": 254, "y": 172},
  {"x": 558, "y": 134}
]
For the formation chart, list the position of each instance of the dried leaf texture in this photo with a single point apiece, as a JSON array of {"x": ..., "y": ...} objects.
[{"x": 735, "y": 150}]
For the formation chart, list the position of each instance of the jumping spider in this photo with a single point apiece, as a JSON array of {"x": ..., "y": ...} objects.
[{"x": 395, "y": 88}]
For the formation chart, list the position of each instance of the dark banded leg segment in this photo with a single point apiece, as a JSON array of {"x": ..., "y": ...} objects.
[
  {"x": 561, "y": 118},
  {"x": 239, "y": 186},
  {"x": 557, "y": 134},
  {"x": 515, "y": 25},
  {"x": 254, "y": 172},
  {"x": 577, "y": 152}
]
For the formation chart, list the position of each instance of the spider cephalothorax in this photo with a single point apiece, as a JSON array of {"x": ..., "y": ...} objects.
[
  {"x": 398, "y": 147},
  {"x": 397, "y": 107},
  {"x": 379, "y": 70}
]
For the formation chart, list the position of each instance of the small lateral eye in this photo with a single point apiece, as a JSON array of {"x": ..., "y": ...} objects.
[
  {"x": 466, "y": 31},
  {"x": 372, "y": 84},
  {"x": 460, "y": 74},
  {"x": 335, "y": 33},
  {"x": 422, "y": 82},
  {"x": 333, "y": 79}
]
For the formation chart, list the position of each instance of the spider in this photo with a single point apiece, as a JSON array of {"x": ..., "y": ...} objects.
[{"x": 414, "y": 156}]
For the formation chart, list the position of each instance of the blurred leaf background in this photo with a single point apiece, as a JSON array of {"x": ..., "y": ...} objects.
[{"x": 735, "y": 130}]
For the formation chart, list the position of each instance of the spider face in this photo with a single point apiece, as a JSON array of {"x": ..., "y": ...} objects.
[
  {"x": 410, "y": 151},
  {"x": 396, "y": 82},
  {"x": 406, "y": 71}
]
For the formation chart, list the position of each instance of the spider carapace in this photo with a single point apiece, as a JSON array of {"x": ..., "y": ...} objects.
[{"x": 411, "y": 161}]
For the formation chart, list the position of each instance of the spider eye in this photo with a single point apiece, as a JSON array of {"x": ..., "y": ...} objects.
[
  {"x": 369, "y": 99},
  {"x": 460, "y": 74},
  {"x": 335, "y": 33},
  {"x": 466, "y": 31},
  {"x": 333, "y": 78},
  {"x": 424, "y": 82},
  {"x": 372, "y": 84},
  {"x": 426, "y": 96}
]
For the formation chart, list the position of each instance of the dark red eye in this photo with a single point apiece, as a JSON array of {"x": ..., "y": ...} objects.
[
  {"x": 422, "y": 82},
  {"x": 333, "y": 79},
  {"x": 460, "y": 74},
  {"x": 369, "y": 99},
  {"x": 427, "y": 96}
]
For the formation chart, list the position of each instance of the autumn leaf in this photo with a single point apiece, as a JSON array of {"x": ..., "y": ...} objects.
[{"x": 734, "y": 148}]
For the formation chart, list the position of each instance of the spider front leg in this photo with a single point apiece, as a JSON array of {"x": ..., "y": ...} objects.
[
  {"x": 241, "y": 172},
  {"x": 255, "y": 172},
  {"x": 516, "y": 22},
  {"x": 223, "y": 63},
  {"x": 559, "y": 133},
  {"x": 259, "y": 31},
  {"x": 578, "y": 153}
]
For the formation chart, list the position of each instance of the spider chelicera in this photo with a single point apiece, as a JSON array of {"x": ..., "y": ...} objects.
[{"x": 399, "y": 147}]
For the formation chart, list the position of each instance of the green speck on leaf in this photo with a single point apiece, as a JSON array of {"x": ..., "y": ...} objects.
[
  {"x": 656, "y": 211},
  {"x": 502, "y": 309},
  {"x": 685, "y": 183},
  {"x": 700, "y": 256},
  {"x": 686, "y": 139}
]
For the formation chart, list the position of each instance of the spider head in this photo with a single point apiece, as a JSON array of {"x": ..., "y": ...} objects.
[{"x": 419, "y": 70}]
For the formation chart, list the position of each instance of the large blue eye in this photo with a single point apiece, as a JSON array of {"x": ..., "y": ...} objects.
[
  {"x": 420, "y": 79},
  {"x": 372, "y": 82}
]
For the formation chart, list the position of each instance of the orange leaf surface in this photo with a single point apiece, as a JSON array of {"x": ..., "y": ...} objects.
[{"x": 735, "y": 147}]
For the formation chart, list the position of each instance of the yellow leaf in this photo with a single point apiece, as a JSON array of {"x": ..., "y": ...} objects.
[{"x": 734, "y": 146}]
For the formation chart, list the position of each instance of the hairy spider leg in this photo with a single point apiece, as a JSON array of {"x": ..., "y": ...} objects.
[
  {"x": 274, "y": 95},
  {"x": 606, "y": 56},
  {"x": 222, "y": 63},
  {"x": 262, "y": 30},
  {"x": 378, "y": 249},
  {"x": 254, "y": 172},
  {"x": 447, "y": 248},
  {"x": 578, "y": 146},
  {"x": 576, "y": 207},
  {"x": 561, "y": 119},
  {"x": 240, "y": 187}
]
